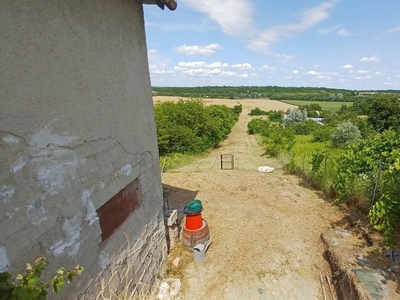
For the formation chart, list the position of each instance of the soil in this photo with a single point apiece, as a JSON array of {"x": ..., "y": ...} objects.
[{"x": 266, "y": 227}]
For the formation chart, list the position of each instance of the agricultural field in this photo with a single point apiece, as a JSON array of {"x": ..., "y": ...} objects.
[
  {"x": 326, "y": 105},
  {"x": 248, "y": 104}
]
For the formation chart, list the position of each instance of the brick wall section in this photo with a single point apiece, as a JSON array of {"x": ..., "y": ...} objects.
[{"x": 76, "y": 127}]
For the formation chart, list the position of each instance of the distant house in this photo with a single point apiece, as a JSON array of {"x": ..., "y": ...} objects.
[
  {"x": 318, "y": 120},
  {"x": 80, "y": 178}
]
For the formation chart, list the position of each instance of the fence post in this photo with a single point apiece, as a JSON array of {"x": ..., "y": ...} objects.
[
  {"x": 165, "y": 159},
  {"x": 377, "y": 179},
  {"x": 324, "y": 179}
]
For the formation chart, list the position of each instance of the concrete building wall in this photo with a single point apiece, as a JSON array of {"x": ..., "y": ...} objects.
[{"x": 77, "y": 127}]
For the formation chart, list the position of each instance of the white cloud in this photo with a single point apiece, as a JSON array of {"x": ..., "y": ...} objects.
[
  {"x": 344, "y": 32},
  {"x": 234, "y": 16},
  {"x": 194, "y": 64},
  {"x": 379, "y": 73},
  {"x": 347, "y": 67},
  {"x": 218, "y": 64},
  {"x": 374, "y": 58},
  {"x": 362, "y": 72},
  {"x": 393, "y": 30},
  {"x": 153, "y": 51},
  {"x": 308, "y": 19},
  {"x": 313, "y": 73},
  {"x": 203, "y": 69},
  {"x": 362, "y": 77},
  {"x": 295, "y": 72},
  {"x": 245, "y": 75},
  {"x": 245, "y": 66},
  {"x": 159, "y": 69},
  {"x": 338, "y": 29},
  {"x": 268, "y": 68},
  {"x": 284, "y": 58},
  {"x": 329, "y": 29},
  {"x": 198, "y": 50}
]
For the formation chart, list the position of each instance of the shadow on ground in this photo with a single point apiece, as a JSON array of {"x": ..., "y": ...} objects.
[{"x": 177, "y": 198}]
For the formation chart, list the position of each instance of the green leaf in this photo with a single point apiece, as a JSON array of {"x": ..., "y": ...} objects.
[
  {"x": 61, "y": 271},
  {"x": 32, "y": 282},
  {"x": 19, "y": 277},
  {"x": 58, "y": 284},
  {"x": 28, "y": 267}
]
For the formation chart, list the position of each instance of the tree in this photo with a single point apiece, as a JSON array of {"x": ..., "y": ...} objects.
[{"x": 384, "y": 112}]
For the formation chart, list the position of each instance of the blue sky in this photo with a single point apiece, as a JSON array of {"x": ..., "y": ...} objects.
[{"x": 351, "y": 44}]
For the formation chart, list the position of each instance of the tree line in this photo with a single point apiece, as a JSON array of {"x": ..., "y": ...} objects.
[
  {"x": 191, "y": 127},
  {"x": 271, "y": 92}
]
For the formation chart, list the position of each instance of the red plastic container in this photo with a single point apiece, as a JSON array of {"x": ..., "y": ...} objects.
[{"x": 194, "y": 222}]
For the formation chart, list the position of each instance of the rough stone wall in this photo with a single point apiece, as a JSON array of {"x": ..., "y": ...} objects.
[{"x": 76, "y": 127}]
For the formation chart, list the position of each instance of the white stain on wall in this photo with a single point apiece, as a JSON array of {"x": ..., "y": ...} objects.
[
  {"x": 18, "y": 164},
  {"x": 12, "y": 213},
  {"x": 46, "y": 137},
  {"x": 72, "y": 232},
  {"x": 125, "y": 170},
  {"x": 55, "y": 167},
  {"x": 36, "y": 212},
  {"x": 91, "y": 214},
  {"x": 9, "y": 139},
  {"x": 6, "y": 193},
  {"x": 4, "y": 260},
  {"x": 104, "y": 259}
]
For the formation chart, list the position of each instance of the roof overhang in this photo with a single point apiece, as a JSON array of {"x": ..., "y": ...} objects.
[{"x": 171, "y": 4}]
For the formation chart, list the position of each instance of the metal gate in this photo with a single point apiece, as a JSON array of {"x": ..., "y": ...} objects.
[{"x": 227, "y": 162}]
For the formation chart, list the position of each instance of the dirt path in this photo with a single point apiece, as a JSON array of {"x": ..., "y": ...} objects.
[{"x": 266, "y": 227}]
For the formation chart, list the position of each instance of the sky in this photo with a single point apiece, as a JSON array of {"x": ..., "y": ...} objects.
[{"x": 350, "y": 44}]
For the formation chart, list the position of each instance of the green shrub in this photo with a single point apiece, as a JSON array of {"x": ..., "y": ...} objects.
[
  {"x": 29, "y": 286},
  {"x": 257, "y": 112},
  {"x": 275, "y": 116},
  {"x": 278, "y": 140},
  {"x": 357, "y": 177},
  {"x": 190, "y": 127},
  {"x": 258, "y": 126},
  {"x": 295, "y": 116},
  {"x": 322, "y": 134},
  {"x": 237, "y": 109},
  {"x": 346, "y": 133},
  {"x": 305, "y": 127}
]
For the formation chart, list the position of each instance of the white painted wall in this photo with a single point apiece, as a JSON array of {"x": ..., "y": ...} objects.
[{"x": 77, "y": 126}]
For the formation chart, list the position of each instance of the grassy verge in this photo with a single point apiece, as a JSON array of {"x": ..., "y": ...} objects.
[{"x": 174, "y": 161}]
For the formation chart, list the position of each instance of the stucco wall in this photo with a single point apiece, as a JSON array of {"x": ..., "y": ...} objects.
[{"x": 76, "y": 127}]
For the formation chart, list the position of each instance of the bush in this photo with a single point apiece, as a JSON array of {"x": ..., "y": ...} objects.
[
  {"x": 257, "y": 112},
  {"x": 237, "y": 109},
  {"x": 305, "y": 127},
  {"x": 276, "y": 116},
  {"x": 295, "y": 116},
  {"x": 357, "y": 177},
  {"x": 345, "y": 134},
  {"x": 258, "y": 126},
  {"x": 278, "y": 140},
  {"x": 322, "y": 134},
  {"x": 190, "y": 127}
]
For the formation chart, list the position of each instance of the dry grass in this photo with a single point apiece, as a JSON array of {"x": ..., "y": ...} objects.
[
  {"x": 127, "y": 293},
  {"x": 186, "y": 258},
  {"x": 248, "y": 104}
]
